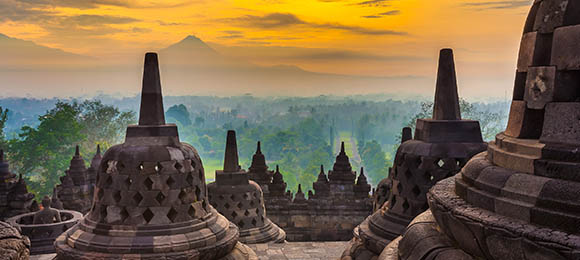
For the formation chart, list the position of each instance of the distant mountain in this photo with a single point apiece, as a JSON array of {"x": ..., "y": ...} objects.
[
  {"x": 17, "y": 52},
  {"x": 188, "y": 67}
]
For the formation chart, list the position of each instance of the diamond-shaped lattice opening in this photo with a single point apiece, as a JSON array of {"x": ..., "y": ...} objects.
[
  {"x": 408, "y": 174},
  {"x": 170, "y": 181},
  {"x": 189, "y": 179},
  {"x": 124, "y": 214},
  {"x": 399, "y": 187},
  {"x": 120, "y": 166},
  {"x": 405, "y": 205},
  {"x": 178, "y": 166},
  {"x": 160, "y": 197},
  {"x": 234, "y": 214},
  {"x": 416, "y": 190},
  {"x": 255, "y": 195},
  {"x": 128, "y": 181},
  {"x": 246, "y": 213},
  {"x": 240, "y": 205},
  {"x": 137, "y": 198},
  {"x": 197, "y": 192},
  {"x": 109, "y": 181},
  {"x": 172, "y": 214},
  {"x": 193, "y": 164},
  {"x": 252, "y": 203},
  {"x": 245, "y": 196},
  {"x": 440, "y": 163},
  {"x": 254, "y": 222},
  {"x": 103, "y": 213},
  {"x": 220, "y": 197},
  {"x": 148, "y": 183},
  {"x": 191, "y": 211},
  {"x": 183, "y": 196},
  {"x": 117, "y": 196},
  {"x": 148, "y": 215},
  {"x": 227, "y": 206},
  {"x": 233, "y": 197},
  {"x": 241, "y": 224},
  {"x": 158, "y": 167}
]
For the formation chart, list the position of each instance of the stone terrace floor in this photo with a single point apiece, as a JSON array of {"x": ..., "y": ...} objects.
[{"x": 285, "y": 251}]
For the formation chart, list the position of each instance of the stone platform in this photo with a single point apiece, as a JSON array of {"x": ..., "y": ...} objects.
[{"x": 283, "y": 251}]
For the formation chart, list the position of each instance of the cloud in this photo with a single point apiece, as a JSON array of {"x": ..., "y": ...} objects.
[
  {"x": 96, "y": 20},
  {"x": 374, "y": 3},
  {"x": 498, "y": 4},
  {"x": 392, "y": 12},
  {"x": 279, "y": 20},
  {"x": 389, "y": 13},
  {"x": 232, "y": 34},
  {"x": 88, "y": 4}
]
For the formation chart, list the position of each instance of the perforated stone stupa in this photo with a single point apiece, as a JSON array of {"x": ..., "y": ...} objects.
[
  {"x": 14, "y": 196},
  {"x": 151, "y": 199},
  {"x": 241, "y": 200},
  {"x": 75, "y": 191},
  {"x": 518, "y": 200},
  {"x": 441, "y": 147}
]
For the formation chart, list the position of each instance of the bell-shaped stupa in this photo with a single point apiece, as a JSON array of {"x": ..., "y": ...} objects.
[
  {"x": 241, "y": 200},
  {"x": 151, "y": 200},
  {"x": 518, "y": 200},
  {"x": 441, "y": 147}
]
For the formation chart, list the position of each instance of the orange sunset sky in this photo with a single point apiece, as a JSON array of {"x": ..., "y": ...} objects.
[{"x": 368, "y": 38}]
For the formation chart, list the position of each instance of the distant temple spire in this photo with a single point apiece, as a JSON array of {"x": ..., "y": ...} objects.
[
  {"x": 446, "y": 105},
  {"x": 151, "y": 112},
  {"x": 231, "y": 163},
  {"x": 406, "y": 134},
  {"x": 322, "y": 175},
  {"x": 98, "y": 150},
  {"x": 77, "y": 153}
]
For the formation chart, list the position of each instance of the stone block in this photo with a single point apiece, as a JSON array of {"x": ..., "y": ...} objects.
[
  {"x": 448, "y": 131},
  {"x": 527, "y": 49},
  {"x": 561, "y": 124},
  {"x": 539, "y": 86},
  {"x": 519, "y": 86},
  {"x": 565, "y": 53},
  {"x": 567, "y": 86},
  {"x": 524, "y": 122},
  {"x": 550, "y": 15}
]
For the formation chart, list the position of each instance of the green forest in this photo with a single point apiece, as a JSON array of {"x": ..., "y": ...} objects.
[{"x": 297, "y": 133}]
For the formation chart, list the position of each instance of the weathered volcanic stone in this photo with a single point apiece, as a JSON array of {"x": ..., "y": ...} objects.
[
  {"x": 330, "y": 212},
  {"x": 519, "y": 200},
  {"x": 241, "y": 200},
  {"x": 151, "y": 198},
  {"x": 441, "y": 147},
  {"x": 13, "y": 245},
  {"x": 14, "y": 196},
  {"x": 76, "y": 191}
]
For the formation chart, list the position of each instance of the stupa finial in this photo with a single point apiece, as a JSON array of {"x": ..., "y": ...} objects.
[
  {"x": 231, "y": 163},
  {"x": 446, "y": 105},
  {"x": 151, "y": 112}
]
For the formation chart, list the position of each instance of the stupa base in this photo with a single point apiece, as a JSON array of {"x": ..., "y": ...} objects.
[
  {"x": 269, "y": 233},
  {"x": 488, "y": 235}
]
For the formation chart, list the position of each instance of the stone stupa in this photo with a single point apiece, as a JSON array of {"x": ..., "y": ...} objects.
[
  {"x": 241, "y": 200},
  {"x": 151, "y": 199},
  {"x": 75, "y": 191},
  {"x": 519, "y": 199},
  {"x": 441, "y": 147},
  {"x": 14, "y": 196}
]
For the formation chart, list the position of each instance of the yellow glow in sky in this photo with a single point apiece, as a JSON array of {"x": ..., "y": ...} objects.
[{"x": 354, "y": 37}]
